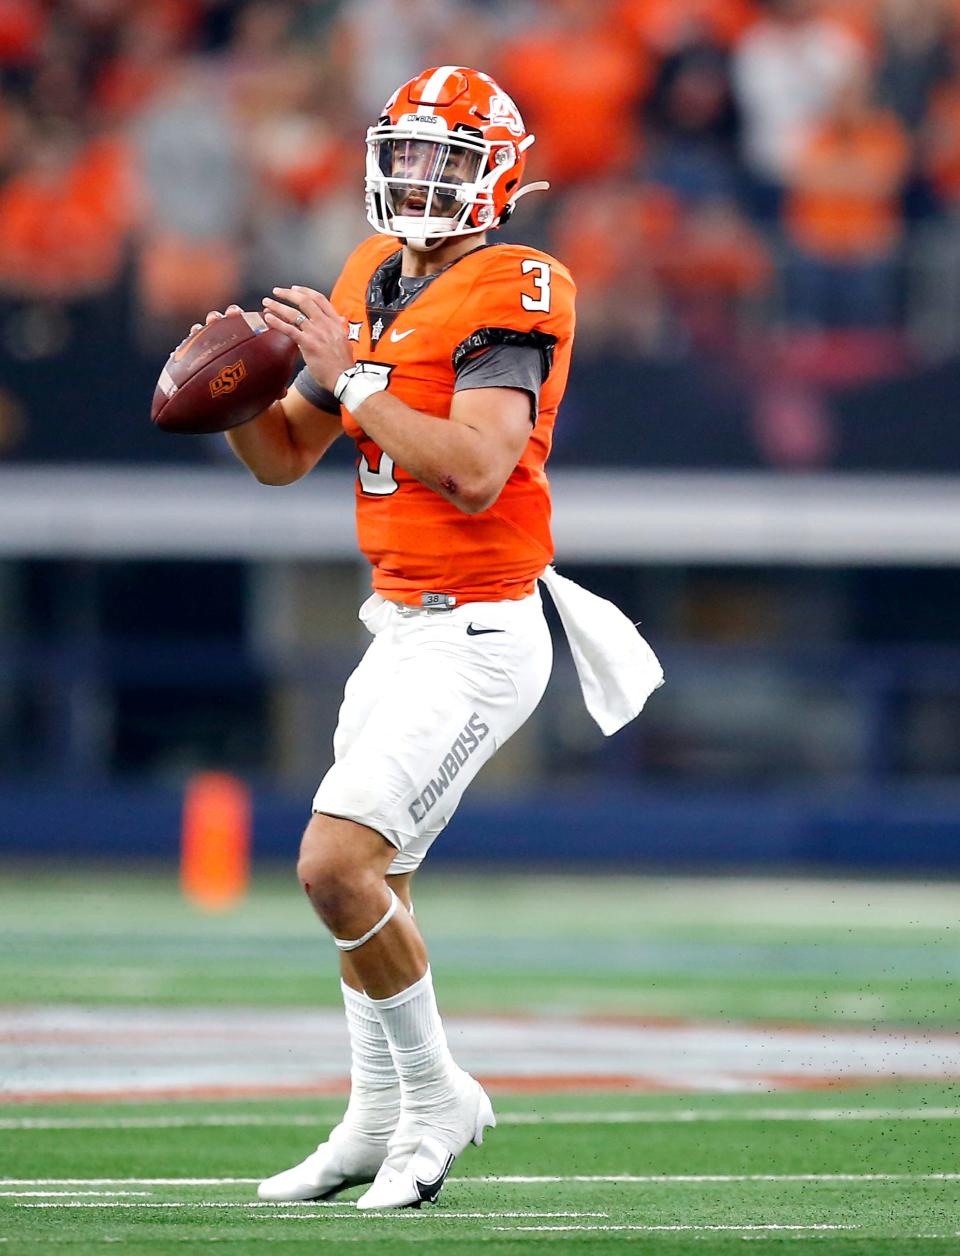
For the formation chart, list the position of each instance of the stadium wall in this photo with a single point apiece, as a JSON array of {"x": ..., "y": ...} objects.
[{"x": 897, "y": 829}]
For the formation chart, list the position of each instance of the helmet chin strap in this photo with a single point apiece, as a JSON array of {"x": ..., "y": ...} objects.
[
  {"x": 527, "y": 187},
  {"x": 424, "y": 246},
  {"x": 420, "y": 241}
]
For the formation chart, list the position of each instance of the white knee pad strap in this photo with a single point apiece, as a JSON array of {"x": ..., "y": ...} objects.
[{"x": 347, "y": 945}]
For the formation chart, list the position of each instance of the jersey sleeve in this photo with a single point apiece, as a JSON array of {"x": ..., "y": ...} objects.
[
  {"x": 315, "y": 393},
  {"x": 505, "y": 366}
]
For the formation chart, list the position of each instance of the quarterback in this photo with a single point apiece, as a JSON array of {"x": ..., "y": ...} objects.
[{"x": 444, "y": 358}]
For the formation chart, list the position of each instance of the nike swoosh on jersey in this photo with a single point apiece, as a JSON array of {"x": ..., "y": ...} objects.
[
  {"x": 402, "y": 335},
  {"x": 479, "y": 632}
]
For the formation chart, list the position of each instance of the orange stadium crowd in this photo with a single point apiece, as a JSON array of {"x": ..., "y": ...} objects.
[{"x": 729, "y": 176}]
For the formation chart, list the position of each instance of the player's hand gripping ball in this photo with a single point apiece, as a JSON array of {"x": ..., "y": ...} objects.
[{"x": 224, "y": 374}]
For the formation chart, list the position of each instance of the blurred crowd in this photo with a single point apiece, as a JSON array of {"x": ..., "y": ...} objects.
[{"x": 717, "y": 165}]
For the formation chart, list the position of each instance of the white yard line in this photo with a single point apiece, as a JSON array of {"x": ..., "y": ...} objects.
[
  {"x": 169, "y": 1203},
  {"x": 651, "y": 1229},
  {"x": 211, "y": 1181},
  {"x": 649, "y": 1179},
  {"x": 440, "y": 1214},
  {"x": 156, "y": 1122},
  {"x": 345, "y": 1210},
  {"x": 693, "y": 1178},
  {"x": 627, "y": 1117},
  {"x": 68, "y": 1194}
]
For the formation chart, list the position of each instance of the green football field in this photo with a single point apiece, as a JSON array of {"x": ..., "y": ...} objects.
[{"x": 586, "y": 974}]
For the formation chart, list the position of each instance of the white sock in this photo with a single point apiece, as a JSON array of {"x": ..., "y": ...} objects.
[
  {"x": 374, "y": 1106},
  {"x": 418, "y": 1045}
]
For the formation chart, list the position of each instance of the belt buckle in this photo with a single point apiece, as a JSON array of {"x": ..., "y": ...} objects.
[{"x": 437, "y": 601}]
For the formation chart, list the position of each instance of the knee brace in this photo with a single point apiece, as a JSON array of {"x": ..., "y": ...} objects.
[{"x": 345, "y": 944}]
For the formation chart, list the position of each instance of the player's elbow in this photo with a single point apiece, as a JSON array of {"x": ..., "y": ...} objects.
[
  {"x": 274, "y": 477},
  {"x": 472, "y": 488},
  {"x": 474, "y": 498},
  {"x": 293, "y": 465},
  {"x": 477, "y": 505}
]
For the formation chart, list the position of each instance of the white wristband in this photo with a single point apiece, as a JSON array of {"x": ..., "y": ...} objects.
[{"x": 359, "y": 382}]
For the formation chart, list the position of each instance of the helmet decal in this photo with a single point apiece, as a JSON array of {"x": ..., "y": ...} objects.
[
  {"x": 503, "y": 112},
  {"x": 439, "y": 87}
]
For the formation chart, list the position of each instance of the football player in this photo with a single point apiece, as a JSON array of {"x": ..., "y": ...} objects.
[{"x": 444, "y": 357}]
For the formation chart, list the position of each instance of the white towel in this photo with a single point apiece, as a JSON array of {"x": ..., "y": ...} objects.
[{"x": 618, "y": 671}]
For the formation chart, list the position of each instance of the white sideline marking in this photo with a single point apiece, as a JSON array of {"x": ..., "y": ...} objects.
[
  {"x": 695, "y": 1115},
  {"x": 638, "y": 1117},
  {"x": 517, "y": 1180},
  {"x": 61, "y": 1053}
]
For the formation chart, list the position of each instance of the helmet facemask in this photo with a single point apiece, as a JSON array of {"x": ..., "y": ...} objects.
[{"x": 425, "y": 184}]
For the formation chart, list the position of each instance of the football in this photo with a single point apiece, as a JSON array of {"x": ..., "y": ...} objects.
[{"x": 223, "y": 375}]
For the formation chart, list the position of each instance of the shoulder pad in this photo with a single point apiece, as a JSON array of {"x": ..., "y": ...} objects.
[
  {"x": 506, "y": 257},
  {"x": 361, "y": 264},
  {"x": 519, "y": 287}
]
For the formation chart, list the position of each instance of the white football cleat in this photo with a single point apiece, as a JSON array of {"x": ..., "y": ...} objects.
[
  {"x": 346, "y": 1159},
  {"x": 421, "y": 1155}
]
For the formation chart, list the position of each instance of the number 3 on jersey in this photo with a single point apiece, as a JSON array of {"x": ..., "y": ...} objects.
[
  {"x": 541, "y": 281},
  {"x": 377, "y": 482}
]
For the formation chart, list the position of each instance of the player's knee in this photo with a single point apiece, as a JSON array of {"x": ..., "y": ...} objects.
[
  {"x": 330, "y": 871},
  {"x": 331, "y": 888},
  {"x": 322, "y": 869}
]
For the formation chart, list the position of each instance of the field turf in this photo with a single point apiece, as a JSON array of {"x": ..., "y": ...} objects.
[{"x": 870, "y": 1171}]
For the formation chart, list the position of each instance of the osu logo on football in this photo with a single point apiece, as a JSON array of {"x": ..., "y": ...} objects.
[{"x": 227, "y": 379}]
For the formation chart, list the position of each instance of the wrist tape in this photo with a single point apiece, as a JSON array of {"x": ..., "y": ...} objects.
[{"x": 359, "y": 382}]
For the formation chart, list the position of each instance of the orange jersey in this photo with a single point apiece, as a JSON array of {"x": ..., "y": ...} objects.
[{"x": 416, "y": 540}]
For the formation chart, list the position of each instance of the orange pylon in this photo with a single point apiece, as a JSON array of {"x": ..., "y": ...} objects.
[{"x": 215, "y": 840}]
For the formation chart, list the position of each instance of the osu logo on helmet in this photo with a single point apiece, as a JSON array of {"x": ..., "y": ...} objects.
[
  {"x": 225, "y": 381},
  {"x": 445, "y": 158}
]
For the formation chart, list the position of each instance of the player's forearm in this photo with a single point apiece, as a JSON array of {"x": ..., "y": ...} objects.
[
  {"x": 270, "y": 447},
  {"x": 451, "y": 458}
]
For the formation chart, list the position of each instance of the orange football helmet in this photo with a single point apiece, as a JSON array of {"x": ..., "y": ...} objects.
[{"x": 446, "y": 158}]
